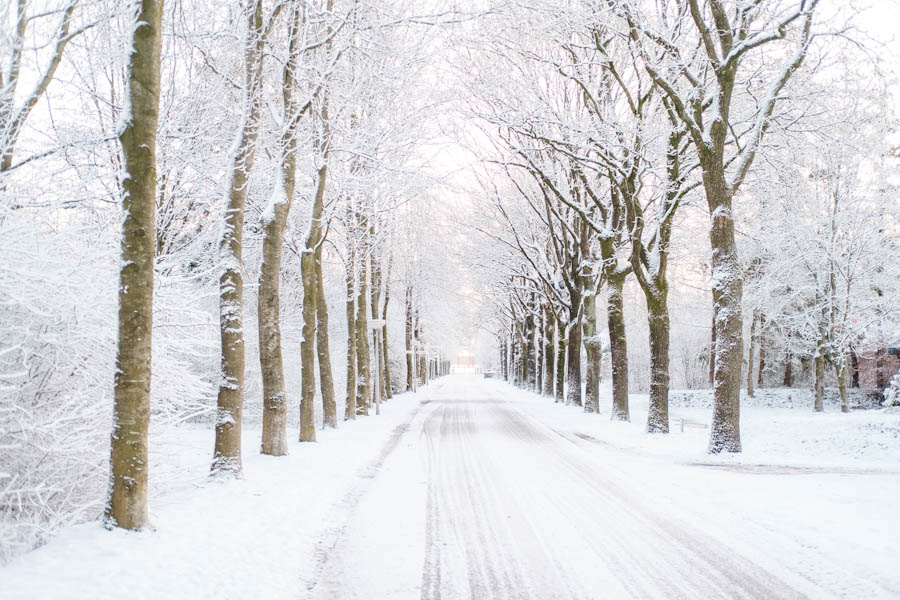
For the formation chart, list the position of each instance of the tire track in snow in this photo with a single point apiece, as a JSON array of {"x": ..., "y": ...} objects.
[{"x": 344, "y": 509}]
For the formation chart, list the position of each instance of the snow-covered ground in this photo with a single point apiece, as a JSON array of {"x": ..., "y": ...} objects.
[
  {"x": 475, "y": 489},
  {"x": 253, "y": 538}
]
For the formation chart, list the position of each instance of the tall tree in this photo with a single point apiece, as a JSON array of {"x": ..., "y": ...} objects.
[
  {"x": 126, "y": 505},
  {"x": 230, "y": 402},
  {"x": 273, "y": 221}
]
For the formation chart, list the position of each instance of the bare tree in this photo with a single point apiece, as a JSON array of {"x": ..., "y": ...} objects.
[
  {"x": 126, "y": 505},
  {"x": 227, "y": 452}
]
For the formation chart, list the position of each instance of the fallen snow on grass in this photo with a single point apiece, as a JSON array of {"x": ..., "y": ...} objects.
[
  {"x": 773, "y": 434},
  {"x": 251, "y": 538}
]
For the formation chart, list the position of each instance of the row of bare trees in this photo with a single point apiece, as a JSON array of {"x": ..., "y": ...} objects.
[
  {"x": 318, "y": 47},
  {"x": 610, "y": 119}
]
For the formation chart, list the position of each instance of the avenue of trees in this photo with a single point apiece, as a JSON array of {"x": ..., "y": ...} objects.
[
  {"x": 236, "y": 181},
  {"x": 233, "y": 213},
  {"x": 607, "y": 127}
]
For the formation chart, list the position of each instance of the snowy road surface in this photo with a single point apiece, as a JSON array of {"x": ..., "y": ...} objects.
[{"x": 479, "y": 500}]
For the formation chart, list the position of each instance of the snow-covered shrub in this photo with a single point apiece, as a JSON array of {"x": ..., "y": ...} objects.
[
  {"x": 58, "y": 323},
  {"x": 892, "y": 392},
  {"x": 57, "y": 340}
]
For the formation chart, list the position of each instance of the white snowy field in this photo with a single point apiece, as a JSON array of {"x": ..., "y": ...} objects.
[{"x": 475, "y": 489}]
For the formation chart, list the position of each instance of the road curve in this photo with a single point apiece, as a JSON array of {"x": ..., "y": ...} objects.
[{"x": 480, "y": 501}]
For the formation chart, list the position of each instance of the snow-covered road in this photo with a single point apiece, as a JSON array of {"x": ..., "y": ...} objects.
[
  {"x": 474, "y": 489},
  {"x": 480, "y": 500}
]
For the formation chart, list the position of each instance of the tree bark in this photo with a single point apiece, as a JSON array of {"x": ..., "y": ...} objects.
[
  {"x": 854, "y": 367},
  {"x": 229, "y": 406},
  {"x": 788, "y": 369},
  {"x": 751, "y": 357},
  {"x": 818, "y": 405},
  {"x": 658, "y": 414},
  {"x": 388, "y": 387},
  {"x": 561, "y": 351},
  {"x": 762, "y": 360},
  {"x": 549, "y": 374},
  {"x": 840, "y": 370},
  {"x": 712, "y": 349},
  {"x": 727, "y": 291},
  {"x": 126, "y": 504},
  {"x": 363, "y": 373},
  {"x": 618, "y": 348},
  {"x": 410, "y": 373},
  {"x": 593, "y": 351},
  {"x": 539, "y": 353},
  {"x": 530, "y": 364},
  {"x": 573, "y": 370},
  {"x": 323, "y": 350},
  {"x": 308, "y": 347},
  {"x": 350, "y": 403}
]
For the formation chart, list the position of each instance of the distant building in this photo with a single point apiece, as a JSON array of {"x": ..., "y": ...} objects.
[{"x": 873, "y": 369}]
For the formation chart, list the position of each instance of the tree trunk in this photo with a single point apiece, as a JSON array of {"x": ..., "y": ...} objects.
[
  {"x": 727, "y": 291},
  {"x": 388, "y": 387},
  {"x": 762, "y": 361},
  {"x": 818, "y": 405},
  {"x": 375, "y": 298},
  {"x": 310, "y": 276},
  {"x": 854, "y": 367},
  {"x": 273, "y": 222},
  {"x": 363, "y": 361},
  {"x": 573, "y": 371},
  {"x": 593, "y": 351},
  {"x": 126, "y": 504},
  {"x": 539, "y": 353},
  {"x": 658, "y": 413},
  {"x": 421, "y": 354},
  {"x": 618, "y": 348},
  {"x": 561, "y": 341},
  {"x": 840, "y": 369},
  {"x": 308, "y": 348},
  {"x": 549, "y": 375},
  {"x": 751, "y": 358},
  {"x": 326, "y": 380},
  {"x": 712, "y": 349},
  {"x": 530, "y": 379},
  {"x": 410, "y": 373},
  {"x": 227, "y": 452},
  {"x": 350, "y": 403},
  {"x": 788, "y": 369}
]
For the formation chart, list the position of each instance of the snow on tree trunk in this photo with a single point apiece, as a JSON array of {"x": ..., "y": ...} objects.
[
  {"x": 126, "y": 505},
  {"x": 350, "y": 303},
  {"x": 323, "y": 350},
  {"x": 819, "y": 384},
  {"x": 751, "y": 357},
  {"x": 273, "y": 221},
  {"x": 549, "y": 374},
  {"x": 658, "y": 410},
  {"x": 229, "y": 405},
  {"x": 573, "y": 347},
  {"x": 561, "y": 351},
  {"x": 363, "y": 373},
  {"x": 410, "y": 373},
  {"x": 618, "y": 348},
  {"x": 593, "y": 353},
  {"x": 727, "y": 289}
]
